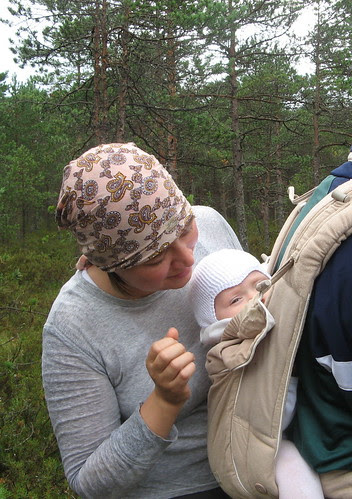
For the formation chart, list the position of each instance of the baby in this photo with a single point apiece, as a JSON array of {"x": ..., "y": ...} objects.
[{"x": 221, "y": 285}]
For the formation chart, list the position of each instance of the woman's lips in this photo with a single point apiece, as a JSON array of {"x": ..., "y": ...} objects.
[{"x": 182, "y": 274}]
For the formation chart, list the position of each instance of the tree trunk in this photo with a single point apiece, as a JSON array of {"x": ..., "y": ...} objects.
[
  {"x": 266, "y": 210},
  {"x": 280, "y": 188},
  {"x": 236, "y": 144},
  {"x": 124, "y": 78},
  {"x": 316, "y": 108},
  {"x": 171, "y": 71},
  {"x": 100, "y": 53}
]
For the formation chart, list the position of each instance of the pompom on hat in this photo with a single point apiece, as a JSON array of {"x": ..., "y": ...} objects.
[
  {"x": 220, "y": 270},
  {"x": 122, "y": 206}
]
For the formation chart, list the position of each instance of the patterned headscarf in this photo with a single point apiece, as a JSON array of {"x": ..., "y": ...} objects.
[{"x": 121, "y": 204}]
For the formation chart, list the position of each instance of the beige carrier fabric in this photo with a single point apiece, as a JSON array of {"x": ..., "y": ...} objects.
[
  {"x": 246, "y": 402},
  {"x": 337, "y": 484}
]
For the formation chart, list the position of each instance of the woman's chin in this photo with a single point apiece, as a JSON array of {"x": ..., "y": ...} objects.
[{"x": 181, "y": 279}]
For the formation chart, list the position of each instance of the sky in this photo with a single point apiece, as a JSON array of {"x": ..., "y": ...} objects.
[{"x": 6, "y": 56}]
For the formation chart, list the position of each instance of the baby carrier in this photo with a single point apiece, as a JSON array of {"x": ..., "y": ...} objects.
[{"x": 250, "y": 374}]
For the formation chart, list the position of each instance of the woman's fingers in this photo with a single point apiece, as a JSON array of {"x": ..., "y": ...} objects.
[
  {"x": 171, "y": 366},
  {"x": 172, "y": 333},
  {"x": 176, "y": 366},
  {"x": 158, "y": 349}
]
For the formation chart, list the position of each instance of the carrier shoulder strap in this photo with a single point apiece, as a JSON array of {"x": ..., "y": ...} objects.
[{"x": 304, "y": 205}]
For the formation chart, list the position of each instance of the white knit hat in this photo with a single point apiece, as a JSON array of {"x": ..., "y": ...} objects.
[{"x": 218, "y": 271}]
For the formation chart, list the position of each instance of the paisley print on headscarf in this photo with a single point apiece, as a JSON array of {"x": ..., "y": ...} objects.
[
  {"x": 121, "y": 204},
  {"x": 118, "y": 187}
]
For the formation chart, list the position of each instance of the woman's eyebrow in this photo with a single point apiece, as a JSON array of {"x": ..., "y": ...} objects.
[
  {"x": 188, "y": 223},
  {"x": 160, "y": 255}
]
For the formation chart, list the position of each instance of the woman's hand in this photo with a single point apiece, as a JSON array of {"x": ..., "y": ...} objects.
[{"x": 170, "y": 366}]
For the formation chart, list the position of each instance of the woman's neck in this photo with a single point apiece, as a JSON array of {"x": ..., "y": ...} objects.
[{"x": 102, "y": 280}]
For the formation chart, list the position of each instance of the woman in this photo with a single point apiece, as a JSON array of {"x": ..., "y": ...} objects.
[{"x": 123, "y": 369}]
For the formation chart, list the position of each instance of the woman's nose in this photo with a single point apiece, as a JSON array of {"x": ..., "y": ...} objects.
[{"x": 182, "y": 254}]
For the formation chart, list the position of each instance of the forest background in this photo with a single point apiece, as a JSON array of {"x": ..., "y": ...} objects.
[{"x": 211, "y": 88}]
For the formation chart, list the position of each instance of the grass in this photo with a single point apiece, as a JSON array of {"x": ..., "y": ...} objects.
[{"x": 31, "y": 275}]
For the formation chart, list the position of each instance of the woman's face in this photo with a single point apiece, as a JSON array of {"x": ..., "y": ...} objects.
[{"x": 171, "y": 269}]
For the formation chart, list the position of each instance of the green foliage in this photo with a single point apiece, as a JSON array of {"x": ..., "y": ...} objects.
[
  {"x": 33, "y": 148},
  {"x": 190, "y": 198},
  {"x": 31, "y": 277},
  {"x": 4, "y": 493}
]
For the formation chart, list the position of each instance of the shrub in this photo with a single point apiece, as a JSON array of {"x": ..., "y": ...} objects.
[{"x": 31, "y": 275}]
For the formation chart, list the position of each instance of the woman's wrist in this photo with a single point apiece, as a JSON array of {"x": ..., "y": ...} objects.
[{"x": 159, "y": 414}]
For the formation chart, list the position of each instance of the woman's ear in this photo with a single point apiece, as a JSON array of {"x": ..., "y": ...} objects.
[{"x": 83, "y": 263}]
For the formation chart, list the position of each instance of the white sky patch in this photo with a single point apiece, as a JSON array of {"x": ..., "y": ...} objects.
[
  {"x": 302, "y": 27},
  {"x": 6, "y": 56}
]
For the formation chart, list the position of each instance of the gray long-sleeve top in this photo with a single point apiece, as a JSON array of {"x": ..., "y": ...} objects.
[{"x": 94, "y": 374}]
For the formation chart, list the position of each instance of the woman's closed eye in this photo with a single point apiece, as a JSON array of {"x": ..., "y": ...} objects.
[{"x": 155, "y": 261}]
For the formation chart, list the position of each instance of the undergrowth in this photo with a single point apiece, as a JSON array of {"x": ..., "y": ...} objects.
[{"x": 31, "y": 274}]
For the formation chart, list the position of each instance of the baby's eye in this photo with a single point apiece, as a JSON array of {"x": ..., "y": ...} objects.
[{"x": 235, "y": 300}]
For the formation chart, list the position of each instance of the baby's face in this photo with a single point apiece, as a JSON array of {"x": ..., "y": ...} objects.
[{"x": 229, "y": 302}]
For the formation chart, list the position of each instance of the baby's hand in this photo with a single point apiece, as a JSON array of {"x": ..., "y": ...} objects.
[{"x": 170, "y": 366}]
